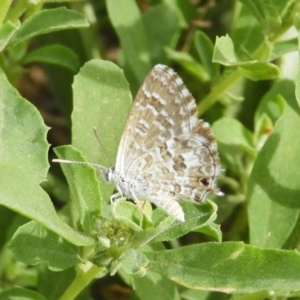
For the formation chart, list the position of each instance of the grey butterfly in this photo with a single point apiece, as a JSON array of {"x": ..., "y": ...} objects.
[{"x": 165, "y": 154}]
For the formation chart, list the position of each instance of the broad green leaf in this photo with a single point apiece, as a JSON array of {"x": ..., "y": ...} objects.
[
  {"x": 6, "y": 32},
  {"x": 101, "y": 99},
  {"x": 21, "y": 193},
  {"x": 204, "y": 47},
  {"x": 48, "y": 20},
  {"x": 127, "y": 21},
  {"x": 230, "y": 267},
  {"x": 84, "y": 189},
  {"x": 188, "y": 63},
  {"x": 273, "y": 189},
  {"x": 24, "y": 163},
  {"x": 224, "y": 52},
  {"x": 177, "y": 6},
  {"x": 54, "y": 54},
  {"x": 196, "y": 216},
  {"x": 231, "y": 132},
  {"x": 48, "y": 247},
  {"x": 22, "y": 133},
  {"x": 155, "y": 286},
  {"x": 259, "y": 71},
  {"x": 161, "y": 34},
  {"x": 20, "y": 293},
  {"x": 134, "y": 263}
]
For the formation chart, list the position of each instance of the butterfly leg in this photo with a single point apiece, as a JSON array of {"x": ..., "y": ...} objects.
[
  {"x": 117, "y": 195},
  {"x": 136, "y": 200},
  {"x": 114, "y": 197}
]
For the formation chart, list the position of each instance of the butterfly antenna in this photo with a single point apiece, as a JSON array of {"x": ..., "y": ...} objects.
[
  {"x": 102, "y": 146},
  {"x": 66, "y": 161}
]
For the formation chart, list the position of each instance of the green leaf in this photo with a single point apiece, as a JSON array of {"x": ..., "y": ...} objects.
[
  {"x": 188, "y": 63},
  {"x": 224, "y": 52},
  {"x": 59, "y": 1},
  {"x": 213, "y": 230},
  {"x": 60, "y": 280},
  {"x": 84, "y": 189},
  {"x": 196, "y": 216},
  {"x": 6, "y": 32},
  {"x": 297, "y": 79},
  {"x": 231, "y": 132},
  {"x": 128, "y": 213},
  {"x": 54, "y": 54},
  {"x": 101, "y": 99},
  {"x": 230, "y": 267},
  {"x": 204, "y": 47},
  {"x": 161, "y": 34},
  {"x": 155, "y": 286},
  {"x": 270, "y": 108},
  {"x": 48, "y": 248},
  {"x": 134, "y": 263},
  {"x": 273, "y": 191},
  {"x": 48, "y": 20},
  {"x": 266, "y": 13},
  {"x": 284, "y": 47},
  {"x": 127, "y": 21},
  {"x": 21, "y": 193},
  {"x": 189, "y": 294},
  {"x": 246, "y": 33},
  {"x": 181, "y": 9},
  {"x": 19, "y": 293},
  {"x": 24, "y": 163},
  {"x": 271, "y": 104},
  {"x": 144, "y": 237},
  {"x": 259, "y": 71},
  {"x": 25, "y": 146}
]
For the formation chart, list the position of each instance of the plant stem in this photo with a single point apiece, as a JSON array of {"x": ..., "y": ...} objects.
[
  {"x": 85, "y": 274},
  {"x": 4, "y": 7},
  {"x": 33, "y": 9},
  {"x": 17, "y": 11},
  {"x": 212, "y": 97}
]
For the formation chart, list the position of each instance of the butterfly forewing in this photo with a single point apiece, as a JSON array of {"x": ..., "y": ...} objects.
[
  {"x": 165, "y": 153},
  {"x": 154, "y": 118}
]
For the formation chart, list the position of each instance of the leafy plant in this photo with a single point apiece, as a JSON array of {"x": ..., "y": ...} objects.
[{"x": 246, "y": 85}]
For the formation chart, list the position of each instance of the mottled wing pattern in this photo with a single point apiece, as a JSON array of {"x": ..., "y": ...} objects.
[
  {"x": 154, "y": 117},
  {"x": 165, "y": 152}
]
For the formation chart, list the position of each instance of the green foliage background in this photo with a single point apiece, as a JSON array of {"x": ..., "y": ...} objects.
[{"x": 74, "y": 66}]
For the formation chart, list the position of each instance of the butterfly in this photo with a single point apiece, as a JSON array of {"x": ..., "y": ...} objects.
[{"x": 166, "y": 153}]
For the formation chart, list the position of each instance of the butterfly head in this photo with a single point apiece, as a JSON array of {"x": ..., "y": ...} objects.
[{"x": 109, "y": 174}]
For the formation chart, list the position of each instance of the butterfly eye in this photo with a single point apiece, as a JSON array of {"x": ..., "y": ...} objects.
[{"x": 107, "y": 175}]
